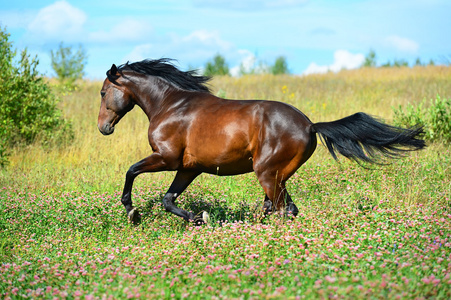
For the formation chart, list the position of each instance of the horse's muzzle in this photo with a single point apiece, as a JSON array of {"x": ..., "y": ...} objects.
[{"x": 106, "y": 129}]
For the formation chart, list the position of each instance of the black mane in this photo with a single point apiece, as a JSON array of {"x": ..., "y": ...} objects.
[{"x": 164, "y": 69}]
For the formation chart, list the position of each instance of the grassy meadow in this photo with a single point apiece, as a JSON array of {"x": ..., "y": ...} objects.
[{"x": 383, "y": 232}]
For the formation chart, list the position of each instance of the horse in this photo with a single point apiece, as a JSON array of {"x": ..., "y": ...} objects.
[{"x": 192, "y": 131}]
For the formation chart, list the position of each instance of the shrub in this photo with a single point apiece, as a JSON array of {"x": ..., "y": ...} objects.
[
  {"x": 28, "y": 108},
  {"x": 435, "y": 116}
]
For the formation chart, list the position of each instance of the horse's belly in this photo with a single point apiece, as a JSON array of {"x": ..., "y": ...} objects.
[{"x": 238, "y": 167}]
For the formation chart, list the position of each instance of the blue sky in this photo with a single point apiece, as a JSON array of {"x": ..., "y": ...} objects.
[{"x": 314, "y": 36}]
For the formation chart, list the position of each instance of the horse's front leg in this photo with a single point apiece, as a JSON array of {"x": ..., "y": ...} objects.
[
  {"x": 152, "y": 163},
  {"x": 181, "y": 181}
]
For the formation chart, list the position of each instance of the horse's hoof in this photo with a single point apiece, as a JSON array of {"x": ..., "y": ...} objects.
[
  {"x": 206, "y": 217},
  {"x": 134, "y": 216},
  {"x": 201, "y": 219}
]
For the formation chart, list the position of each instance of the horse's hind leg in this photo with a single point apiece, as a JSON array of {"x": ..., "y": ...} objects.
[
  {"x": 272, "y": 177},
  {"x": 274, "y": 168},
  {"x": 267, "y": 206},
  {"x": 277, "y": 197},
  {"x": 290, "y": 209}
]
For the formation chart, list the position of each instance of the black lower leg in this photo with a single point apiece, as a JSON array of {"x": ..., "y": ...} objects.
[
  {"x": 169, "y": 205},
  {"x": 267, "y": 206},
  {"x": 181, "y": 181},
  {"x": 126, "y": 194},
  {"x": 152, "y": 163},
  {"x": 291, "y": 208}
]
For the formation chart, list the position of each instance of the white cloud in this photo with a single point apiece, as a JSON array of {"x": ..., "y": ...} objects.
[
  {"x": 58, "y": 21},
  {"x": 314, "y": 68},
  {"x": 248, "y": 63},
  {"x": 206, "y": 38},
  {"x": 248, "y": 60},
  {"x": 402, "y": 44},
  {"x": 195, "y": 48},
  {"x": 343, "y": 59}
]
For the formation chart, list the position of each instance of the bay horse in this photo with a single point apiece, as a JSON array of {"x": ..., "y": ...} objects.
[{"x": 192, "y": 131}]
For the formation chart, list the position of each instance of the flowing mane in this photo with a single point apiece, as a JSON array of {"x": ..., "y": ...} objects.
[{"x": 164, "y": 69}]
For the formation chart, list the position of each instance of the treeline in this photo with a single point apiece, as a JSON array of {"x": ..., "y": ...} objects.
[
  {"x": 371, "y": 61},
  {"x": 219, "y": 66}
]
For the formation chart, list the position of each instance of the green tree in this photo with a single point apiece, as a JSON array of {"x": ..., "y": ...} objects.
[
  {"x": 370, "y": 59},
  {"x": 28, "y": 108},
  {"x": 216, "y": 67},
  {"x": 418, "y": 62},
  {"x": 280, "y": 66},
  {"x": 68, "y": 64}
]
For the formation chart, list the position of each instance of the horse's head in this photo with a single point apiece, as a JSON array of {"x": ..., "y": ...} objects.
[{"x": 117, "y": 100}]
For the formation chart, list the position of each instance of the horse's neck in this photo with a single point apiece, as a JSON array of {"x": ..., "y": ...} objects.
[{"x": 153, "y": 95}]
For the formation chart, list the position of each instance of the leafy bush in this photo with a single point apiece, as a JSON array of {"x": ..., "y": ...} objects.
[
  {"x": 434, "y": 116},
  {"x": 28, "y": 108}
]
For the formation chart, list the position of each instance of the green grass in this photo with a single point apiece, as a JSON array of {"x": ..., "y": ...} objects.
[{"x": 376, "y": 233}]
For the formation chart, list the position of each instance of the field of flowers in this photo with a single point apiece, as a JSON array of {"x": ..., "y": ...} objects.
[{"x": 380, "y": 233}]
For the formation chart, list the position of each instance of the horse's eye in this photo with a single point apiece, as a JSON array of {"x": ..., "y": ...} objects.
[{"x": 102, "y": 93}]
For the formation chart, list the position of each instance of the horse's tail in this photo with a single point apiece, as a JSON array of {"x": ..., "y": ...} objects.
[{"x": 360, "y": 137}]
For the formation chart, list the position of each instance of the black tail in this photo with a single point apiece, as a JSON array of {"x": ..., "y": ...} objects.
[{"x": 363, "y": 138}]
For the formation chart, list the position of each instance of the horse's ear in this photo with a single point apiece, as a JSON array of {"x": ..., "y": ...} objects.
[
  {"x": 113, "y": 70},
  {"x": 113, "y": 74}
]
